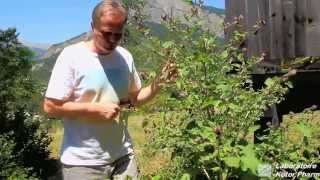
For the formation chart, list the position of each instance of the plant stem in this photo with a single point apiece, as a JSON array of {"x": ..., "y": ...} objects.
[{"x": 205, "y": 172}]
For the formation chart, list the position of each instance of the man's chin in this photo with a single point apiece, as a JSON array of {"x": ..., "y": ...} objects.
[{"x": 106, "y": 51}]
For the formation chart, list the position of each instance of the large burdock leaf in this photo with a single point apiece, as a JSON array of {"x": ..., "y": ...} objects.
[
  {"x": 249, "y": 160},
  {"x": 232, "y": 161}
]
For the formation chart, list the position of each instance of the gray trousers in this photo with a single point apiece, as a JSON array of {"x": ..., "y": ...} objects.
[{"x": 123, "y": 168}]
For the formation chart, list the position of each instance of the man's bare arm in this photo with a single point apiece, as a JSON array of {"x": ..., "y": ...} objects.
[
  {"x": 145, "y": 94},
  {"x": 168, "y": 74},
  {"x": 94, "y": 111}
]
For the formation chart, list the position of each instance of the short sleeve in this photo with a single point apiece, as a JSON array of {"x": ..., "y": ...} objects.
[
  {"x": 135, "y": 82},
  {"x": 61, "y": 82}
]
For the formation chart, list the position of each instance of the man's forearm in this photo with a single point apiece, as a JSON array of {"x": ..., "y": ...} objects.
[
  {"x": 67, "y": 109},
  {"x": 147, "y": 93},
  {"x": 81, "y": 110}
]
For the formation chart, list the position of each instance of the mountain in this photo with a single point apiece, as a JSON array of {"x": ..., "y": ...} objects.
[
  {"x": 42, "y": 46},
  {"x": 38, "y": 53},
  {"x": 178, "y": 8},
  {"x": 38, "y": 48}
]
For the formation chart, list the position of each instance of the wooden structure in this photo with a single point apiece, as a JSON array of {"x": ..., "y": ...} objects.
[{"x": 282, "y": 29}]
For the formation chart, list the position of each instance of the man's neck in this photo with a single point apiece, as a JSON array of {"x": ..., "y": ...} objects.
[{"x": 89, "y": 44}]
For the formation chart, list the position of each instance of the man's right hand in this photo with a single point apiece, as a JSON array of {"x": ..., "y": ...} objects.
[{"x": 103, "y": 111}]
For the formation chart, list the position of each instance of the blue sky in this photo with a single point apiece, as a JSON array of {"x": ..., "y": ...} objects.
[{"x": 53, "y": 21}]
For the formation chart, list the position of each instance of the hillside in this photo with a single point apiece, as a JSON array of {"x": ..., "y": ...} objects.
[
  {"x": 218, "y": 11},
  {"x": 57, "y": 48}
]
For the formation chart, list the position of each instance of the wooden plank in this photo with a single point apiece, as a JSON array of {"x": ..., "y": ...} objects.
[
  {"x": 275, "y": 14},
  {"x": 252, "y": 17},
  {"x": 228, "y": 5},
  {"x": 300, "y": 27},
  {"x": 288, "y": 9},
  {"x": 229, "y": 17},
  {"x": 240, "y": 7},
  {"x": 234, "y": 8},
  {"x": 313, "y": 28},
  {"x": 263, "y": 34}
]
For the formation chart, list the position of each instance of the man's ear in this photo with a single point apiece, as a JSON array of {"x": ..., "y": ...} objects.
[{"x": 92, "y": 26}]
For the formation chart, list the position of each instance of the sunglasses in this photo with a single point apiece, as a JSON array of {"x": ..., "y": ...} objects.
[{"x": 108, "y": 35}]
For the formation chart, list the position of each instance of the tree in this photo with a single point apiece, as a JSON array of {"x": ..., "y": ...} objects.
[{"x": 23, "y": 139}]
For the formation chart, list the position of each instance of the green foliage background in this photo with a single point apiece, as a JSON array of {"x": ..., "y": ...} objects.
[
  {"x": 24, "y": 143},
  {"x": 207, "y": 118}
]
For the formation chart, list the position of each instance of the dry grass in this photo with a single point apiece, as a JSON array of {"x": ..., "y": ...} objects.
[
  {"x": 57, "y": 134},
  {"x": 310, "y": 119},
  {"x": 149, "y": 163}
]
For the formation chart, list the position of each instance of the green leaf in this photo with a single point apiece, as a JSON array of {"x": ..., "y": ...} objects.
[
  {"x": 157, "y": 177},
  {"x": 290, "y": 85},
  {"x": 206, "y": 159},
  {"x": 179, "y": 84},
  {"x": 254, "y": 128},
  {"x": 249, "y": 159},
  {"x": 306, "y": 131},
  {"x": 294, "y": 155},
  {"x": 185, "y": 177},
  {"x": 224, "y": 87},
  {"x": 168, "y": 44},
  {"x": 234, "y": 107},
  {"x": 212, "y": 101},
  {"x": 152, "y": 74},
  {"x": 269, "y": 82},
  {"x": 224, "y": 54},
  {"x": 232, "y": 161},
  {"x": 216, "y": 169},
  {"x": 188, "y": 1}
]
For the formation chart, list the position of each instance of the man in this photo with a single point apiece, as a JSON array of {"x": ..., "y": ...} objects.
[{"x": 88, "y": 82}]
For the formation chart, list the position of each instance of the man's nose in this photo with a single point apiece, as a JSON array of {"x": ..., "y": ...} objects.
[{"x": 113, "y": 39}]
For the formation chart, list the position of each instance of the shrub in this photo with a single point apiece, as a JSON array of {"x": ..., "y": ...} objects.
[{"x": 208, "y": 127}]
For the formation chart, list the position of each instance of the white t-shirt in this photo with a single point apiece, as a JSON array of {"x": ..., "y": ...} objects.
[{"x": 81, "y": 75}]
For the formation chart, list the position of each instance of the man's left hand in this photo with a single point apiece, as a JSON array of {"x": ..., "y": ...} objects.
[{"x": 168, "y": 74}]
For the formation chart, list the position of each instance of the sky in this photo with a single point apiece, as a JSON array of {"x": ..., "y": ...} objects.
[{"x": 53, "y": 21}]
